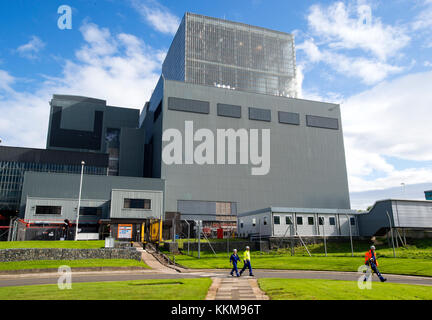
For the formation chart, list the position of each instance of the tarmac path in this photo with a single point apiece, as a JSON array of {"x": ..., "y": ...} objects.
[{"x": 51, "y": 278}]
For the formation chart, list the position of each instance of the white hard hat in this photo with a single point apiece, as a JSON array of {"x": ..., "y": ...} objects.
[
  {"x": 372, "y": 247},
  {"x": 247, "y": 247}
]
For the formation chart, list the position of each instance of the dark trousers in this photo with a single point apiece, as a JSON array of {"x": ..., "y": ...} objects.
[
  {"x": 234, "y": 268},
  {"x": 375, "y": 269},
  {"x": 247, "y": 264}
]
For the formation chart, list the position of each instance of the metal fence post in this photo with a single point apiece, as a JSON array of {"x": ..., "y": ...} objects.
[
  {"x": 391, "y": 231},
  {"x": 350, "y": 233},
  {"x": 199, "y": 239}
]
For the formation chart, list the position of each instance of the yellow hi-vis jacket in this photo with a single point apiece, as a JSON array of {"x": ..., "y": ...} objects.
[{"x": 246, "y": 255}]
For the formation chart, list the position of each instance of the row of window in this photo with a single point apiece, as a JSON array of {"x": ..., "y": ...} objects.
[
  {"x": 95, "y": 211},
  {"x": 258, "y": 114},
  {"x": 310, "y": 220}
]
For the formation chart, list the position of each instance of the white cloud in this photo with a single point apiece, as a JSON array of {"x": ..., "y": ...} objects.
[
  {"x": 370, "y": 71},
  {"x": 31, "y": 48},
  {"x": 354, "y": 27},
  {"x": 424, "y": 19},
  {"x": 392, "y": 119},
  {"x": 157, "y": 15},
  {"x": 118, "y": 68},
  {"x": 353, "y": 42}
]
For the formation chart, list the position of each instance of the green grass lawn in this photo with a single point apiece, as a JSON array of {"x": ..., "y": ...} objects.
[
  {"x": 68, "y": 244},
  {"x": 312, "y": 289},
  {"x": 420, "y": 267},
  {"x": 43, "y": 264},
  {"x": 182, "y": 243},
  {"x": 416, "y": 249},
  {"x": 181, "y": 289}
]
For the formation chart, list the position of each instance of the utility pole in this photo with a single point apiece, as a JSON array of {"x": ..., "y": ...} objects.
[{"x": 79, "y": 200}]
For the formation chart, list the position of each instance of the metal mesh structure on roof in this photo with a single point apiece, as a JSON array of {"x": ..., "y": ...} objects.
[{"x": 232, "y": 55}]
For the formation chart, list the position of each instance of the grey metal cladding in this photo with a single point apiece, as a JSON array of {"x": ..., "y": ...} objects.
[
  {"x": 228, "y": 110},
  {"x": 259, "y": 114},
  {"x": 322, "y": 122},
  {"x": 289, "y": 117},
  {"x": 188, "y": 105}
]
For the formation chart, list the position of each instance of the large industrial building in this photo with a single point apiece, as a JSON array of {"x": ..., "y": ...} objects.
[{"x": 222, "y": 136}]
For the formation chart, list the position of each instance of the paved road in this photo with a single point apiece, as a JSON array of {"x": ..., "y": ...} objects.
[{"x": 51, "y": 278}]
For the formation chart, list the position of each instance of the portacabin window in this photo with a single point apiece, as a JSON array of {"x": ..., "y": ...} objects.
[
  {"x": 90, "y": 211},
  {"x": 352, "y": 221},
  {"x": 48, "y": 210},
  {"x": 276, "y": 220},
  {"x": 310, "y": 221},
  {"x": 288, "y": 220},
  {"x": 321, "y": 221},
  {"x": 299, "y": 220},
  {"x": 137, "y": 204},
  {"x": 332, "y": 221}
]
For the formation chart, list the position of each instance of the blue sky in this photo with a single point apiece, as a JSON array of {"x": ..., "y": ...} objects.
[{"x": 373, "y": 58}]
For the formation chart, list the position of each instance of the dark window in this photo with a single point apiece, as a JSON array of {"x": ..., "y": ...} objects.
[
  {"x": 321, "y": 221},
  {"x": 310, "y": 220},
  {"x": 48, "y": 210},
  {"x": 137, "y": 204},
  {"x": 289, "y": 117},
  {"x": 76, "y": 139},
  {"x": 288, "y": 220},
  {"x": 352, "y": 220},
  {"x": 259, "y": 114},
  {"x": 241, "y": 225},
  {"x": 299, "y": 220},
  {"x": 276, "y": 220},
  {"x": 157, "y": 112},
  {"x": 228, "y": 110},
  {"x": 265, "y": 221},
  {"x": 332, "y": 221},
  {"x": 188, "y": 105},
  {"x": 90, "y": 211},
  {"x": 322, "y": 122}
]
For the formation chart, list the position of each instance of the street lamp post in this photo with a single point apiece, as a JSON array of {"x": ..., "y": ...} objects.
[{"x": 79, "y": 200}]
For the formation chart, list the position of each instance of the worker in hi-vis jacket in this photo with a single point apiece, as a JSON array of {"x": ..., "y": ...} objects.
[{"x": 247, "y": 262}]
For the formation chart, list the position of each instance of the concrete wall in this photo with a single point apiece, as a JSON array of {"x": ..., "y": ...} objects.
[
  {"x": 307, "y": 164},
  {"x": 228, "y": 246},
  {"x": 7, "y": 255}
]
